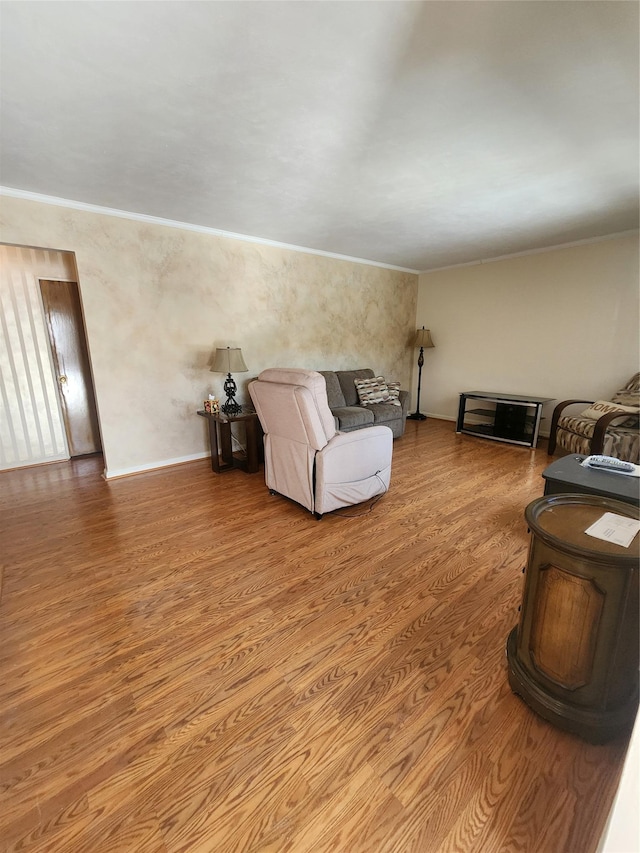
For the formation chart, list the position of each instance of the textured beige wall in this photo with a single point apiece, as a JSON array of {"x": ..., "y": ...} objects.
[
  {"x": 158, "y": 300},
  {"x": 561, "y": 324}
]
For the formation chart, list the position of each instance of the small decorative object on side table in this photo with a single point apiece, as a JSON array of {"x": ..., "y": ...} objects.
[{"x": 222, "y": 456}]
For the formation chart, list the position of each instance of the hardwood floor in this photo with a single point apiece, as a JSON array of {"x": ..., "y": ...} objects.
[{"x": 191, "y": 664}]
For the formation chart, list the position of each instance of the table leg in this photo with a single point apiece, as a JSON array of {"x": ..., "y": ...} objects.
[
  {"x": 461, "y": 408},
  {"x": 213, "y": 441},
  {"x": 251, "y": 436},
  {"x": 226, "y": 447},
  {"x": 536, "y": 428}
]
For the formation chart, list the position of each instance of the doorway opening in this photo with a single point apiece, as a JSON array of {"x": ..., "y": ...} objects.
[{"x": 43, "y": 347}]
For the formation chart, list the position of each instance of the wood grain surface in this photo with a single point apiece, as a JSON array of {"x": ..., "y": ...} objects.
[{"x": 191, "y": 664}]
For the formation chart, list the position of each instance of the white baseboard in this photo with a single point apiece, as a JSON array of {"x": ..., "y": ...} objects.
[
  {"x": 440, "y": 417},
  {"x": 114, "y": 473}
]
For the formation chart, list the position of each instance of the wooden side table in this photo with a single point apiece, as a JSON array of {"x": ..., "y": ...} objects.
[
  {"x": 567, "y": 476},
  {"x": 222, "y": 456},
  {"x": 573, "y": 657}
]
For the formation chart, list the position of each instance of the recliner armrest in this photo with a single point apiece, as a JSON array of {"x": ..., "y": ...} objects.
[
  {"x": 353, "y": 467},
  {"x": 338, "y": 454}
]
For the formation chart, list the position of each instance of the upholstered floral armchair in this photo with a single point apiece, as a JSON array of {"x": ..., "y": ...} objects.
[{"x": 611, "y": 427}]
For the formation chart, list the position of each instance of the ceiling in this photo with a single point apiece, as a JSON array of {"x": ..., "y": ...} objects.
[{"x": 418, "y": 135}]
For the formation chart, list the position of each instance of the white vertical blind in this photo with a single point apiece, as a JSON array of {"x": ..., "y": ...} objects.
[{"x": 31, "y": 425}]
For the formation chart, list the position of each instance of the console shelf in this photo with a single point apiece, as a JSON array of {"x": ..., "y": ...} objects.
[{"x": 514, "y": 418}]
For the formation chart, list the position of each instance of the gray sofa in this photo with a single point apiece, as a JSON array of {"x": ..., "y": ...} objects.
[{"x": 350, "y": 415}]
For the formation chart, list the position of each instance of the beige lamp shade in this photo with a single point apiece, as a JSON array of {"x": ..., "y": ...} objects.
[
  {"x": 228, "y": 360},
  {"x": 423, "y": 338}
]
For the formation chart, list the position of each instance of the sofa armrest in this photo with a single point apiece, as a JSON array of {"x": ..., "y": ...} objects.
[
  {"x": 405, "y": 400},
  {"x": 555, "y": 417}
]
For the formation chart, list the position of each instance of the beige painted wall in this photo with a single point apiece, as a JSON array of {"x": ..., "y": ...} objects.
[
  {"x": 158, "y": 300},
  {"x": 561, "y": 324}
]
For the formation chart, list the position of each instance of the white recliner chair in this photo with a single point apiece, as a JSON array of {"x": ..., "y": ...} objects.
[{"x": 305, "y": 459}]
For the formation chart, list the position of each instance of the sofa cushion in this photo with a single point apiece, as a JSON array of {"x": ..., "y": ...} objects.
[
  {"x": 352, "y": 417},
  {"x": 346, "y": 379},
  {"x": 334, "y": 391},
  {"x": 383, "y": 412},
  {"x": 376, "y": 390}
]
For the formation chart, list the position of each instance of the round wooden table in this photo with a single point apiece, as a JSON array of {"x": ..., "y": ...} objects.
[{"x": 573, "y": 657}]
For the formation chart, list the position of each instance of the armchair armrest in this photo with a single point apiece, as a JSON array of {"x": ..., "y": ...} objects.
[
  {"x": 602, "y": 424},
  {"x": 404, "y": 398},
  {"x": 555, "y": 417}
]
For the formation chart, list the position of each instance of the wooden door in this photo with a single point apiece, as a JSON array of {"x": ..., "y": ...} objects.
[{"x": 63, "y": 314}]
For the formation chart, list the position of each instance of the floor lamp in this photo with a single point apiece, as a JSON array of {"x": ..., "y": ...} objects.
[{"x": 423, "y": 340}]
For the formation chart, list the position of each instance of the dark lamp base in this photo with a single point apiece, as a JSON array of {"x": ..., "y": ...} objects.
[
  {"x": 230, "y": 407},
  {"x": 416, "y": 416}
]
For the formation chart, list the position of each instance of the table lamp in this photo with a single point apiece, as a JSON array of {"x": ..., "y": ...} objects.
[{"x": 229, "y": 360}]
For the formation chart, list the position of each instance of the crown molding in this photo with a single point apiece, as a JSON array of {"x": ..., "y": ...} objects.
[
  {"x": 10, "y": 192},
  {"x": 541, "y": 251}
]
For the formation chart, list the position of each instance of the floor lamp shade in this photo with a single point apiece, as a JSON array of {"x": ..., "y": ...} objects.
[
  {"x": 423, "y": 340},
  {"x": 229, "y": 360}
]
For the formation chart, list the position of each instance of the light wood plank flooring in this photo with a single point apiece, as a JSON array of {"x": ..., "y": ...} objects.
[{"x": 190, "y": 664}]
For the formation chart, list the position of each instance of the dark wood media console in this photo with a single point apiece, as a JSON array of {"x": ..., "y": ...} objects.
[{"x": 514, "y": 418}]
